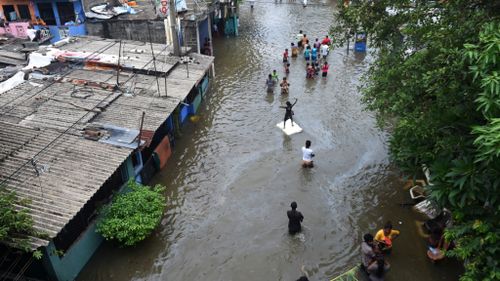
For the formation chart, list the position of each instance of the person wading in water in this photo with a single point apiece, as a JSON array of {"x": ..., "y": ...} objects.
[
  {"x": 307, "y": 155},
  {"x": 289, "y": 112},
  {"x": 294, "y": 219},
  {"x": 270, "y": 83},
  {"x": 284, "y": 86}
]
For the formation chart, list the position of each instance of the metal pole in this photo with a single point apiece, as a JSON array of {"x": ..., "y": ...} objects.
[
  {"x": 173, "y": 26},
  {"x": 140, "y": 130},
  {"x": 165, "y": 74},
  {"x": 347, "y": 42},
  {"x": 118, "y": 70},
  {"x": 154, "y": 60}
]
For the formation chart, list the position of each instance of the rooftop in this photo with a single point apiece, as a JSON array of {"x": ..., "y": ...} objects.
[
  {"x": 148, "y": 10},
  {"x": 57, "y": 181},
  {"x": 44, "y": 154}
]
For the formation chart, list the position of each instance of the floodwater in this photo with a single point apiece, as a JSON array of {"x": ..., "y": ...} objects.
[{"x": 233, "y": 174}]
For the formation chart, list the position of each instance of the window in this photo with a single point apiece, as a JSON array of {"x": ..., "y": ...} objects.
[
  {"x": 7, "y": 11},
  {"x": 24, "y": 12},
  {"x": 46, "y": 13},
  {"x": 66, "y": 11}
]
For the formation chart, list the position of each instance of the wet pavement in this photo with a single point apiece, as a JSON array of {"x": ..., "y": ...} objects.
[{"x": 233, "y": 174}]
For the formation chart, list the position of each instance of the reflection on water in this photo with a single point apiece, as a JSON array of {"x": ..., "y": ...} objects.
[{"x": 233, "y": 174}]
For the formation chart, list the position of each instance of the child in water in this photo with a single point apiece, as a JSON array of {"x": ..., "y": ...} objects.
[
  {"x": 295, "y": 50},
  {"x": 288, "y": 112},
  {"x": 285, "y": 56},
  {"x": 307, "y": 53},
  {"x": 314, "y": 54},
  {"x": 324, "y": 69},
  {"x": 284, "y": 86},
  {"x": 275, "y": 76},
  {"x": 316, "y": 68},
  {"x": 310, "y": 71},
  {"x": 270, "y": 84},
  {"x": 287, "y": 68}
]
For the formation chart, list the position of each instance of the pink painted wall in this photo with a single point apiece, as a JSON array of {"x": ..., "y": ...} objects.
[{"x": 16, "y": 29}]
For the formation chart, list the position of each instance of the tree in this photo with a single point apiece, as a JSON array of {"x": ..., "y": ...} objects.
[
  {"x": 436, "y": 79},
  {"x": 132, "y": 216},
  {"x": 16, "y": 224}
]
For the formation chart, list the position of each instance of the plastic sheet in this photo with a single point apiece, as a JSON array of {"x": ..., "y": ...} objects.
[{"x": 12, "y": 82}]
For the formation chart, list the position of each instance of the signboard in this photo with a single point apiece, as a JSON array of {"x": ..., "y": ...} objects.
[
  {"x": 360, "y": 42},
  {"x": 162, "y": 8}
]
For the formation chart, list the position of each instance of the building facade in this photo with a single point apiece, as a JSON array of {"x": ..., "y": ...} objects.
[
  {"x": 63, "y": 18},
  {"x": 16, "y": 15}
]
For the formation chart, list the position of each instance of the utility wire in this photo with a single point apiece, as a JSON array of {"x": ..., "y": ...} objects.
[{"x": 52, "y": 142}]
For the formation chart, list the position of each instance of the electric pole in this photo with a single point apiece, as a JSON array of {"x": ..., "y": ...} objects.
[{"x": 173, "y": 25}]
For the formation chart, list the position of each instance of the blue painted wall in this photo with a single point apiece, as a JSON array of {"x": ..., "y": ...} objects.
[
  {"x": 184, "y": 113},
  {"x": 61, "y": 31},
  {"x": 193, "y": 108},
  {"x": 204, "y": 85}
]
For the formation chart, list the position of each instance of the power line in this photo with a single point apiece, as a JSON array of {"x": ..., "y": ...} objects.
[
  {"x": 70, "y": 127},
  {"x": 52, "y": 142}
]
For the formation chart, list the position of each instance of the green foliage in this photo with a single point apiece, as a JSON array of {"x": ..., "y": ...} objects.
[
  {"x": 37, "y": 255},
  {"x": 16, "y": 224},
  {"x": 132, "y": 216},
  {"x": 436, "y": 76}
]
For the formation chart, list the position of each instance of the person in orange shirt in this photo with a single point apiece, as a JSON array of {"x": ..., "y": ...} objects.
[
  {"x": 385, "y": 236},
  {"x": 305, "y": 41}
]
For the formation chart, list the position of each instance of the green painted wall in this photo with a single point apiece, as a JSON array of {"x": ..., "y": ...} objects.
[{"x": 68, "y": 266}]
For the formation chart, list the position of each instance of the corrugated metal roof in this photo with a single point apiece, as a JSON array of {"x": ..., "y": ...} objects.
[
  {"x": 134, "y": 54},
  {"x": 43, "y": 156},
  {"x": 61, "y": 179},
  {"x": 126, "y": 112},
  {"x": 56, "y": 107}
]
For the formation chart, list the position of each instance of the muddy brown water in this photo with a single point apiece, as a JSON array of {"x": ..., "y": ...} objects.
[{"x": 233, "y": 174}]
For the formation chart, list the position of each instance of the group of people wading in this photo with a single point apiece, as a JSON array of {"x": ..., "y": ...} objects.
[
  {"x": 314, "y": 54},
  {"x": 374, "y": 249}
]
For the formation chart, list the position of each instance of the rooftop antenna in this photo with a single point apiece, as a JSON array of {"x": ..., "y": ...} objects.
[
  {"x": 140, "y": 130},
  {"x": 154, "y": 59},
  {"x": 118, "y": 70}
]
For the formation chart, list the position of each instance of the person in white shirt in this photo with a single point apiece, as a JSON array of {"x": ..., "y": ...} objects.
[
  {"x": 307, "y": 155},
  {"x": 324, "y": 50},
  {"x": 299, "y": 38}
]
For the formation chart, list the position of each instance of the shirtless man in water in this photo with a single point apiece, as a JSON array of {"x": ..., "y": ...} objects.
[{"x": 284, "y": 86}]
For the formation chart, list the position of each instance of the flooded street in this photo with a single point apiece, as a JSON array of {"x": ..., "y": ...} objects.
[{"x": 233, "y": 174}]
